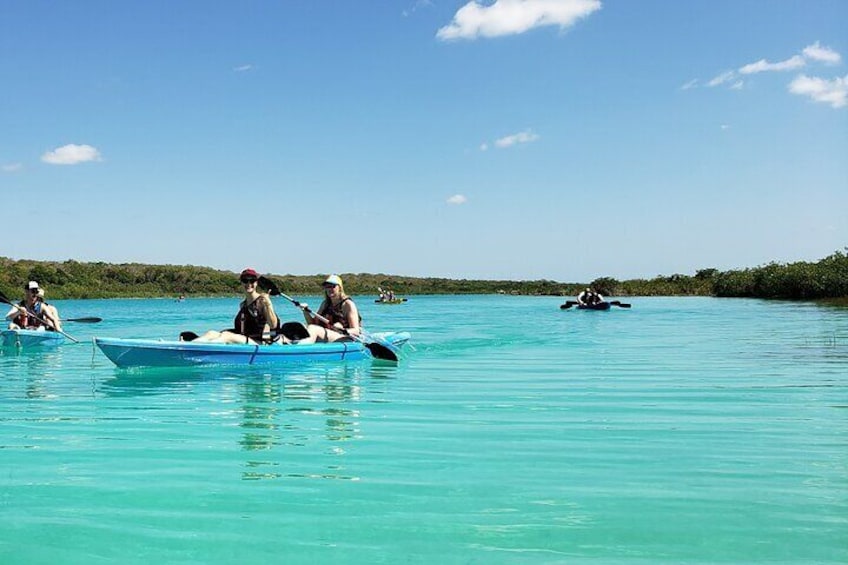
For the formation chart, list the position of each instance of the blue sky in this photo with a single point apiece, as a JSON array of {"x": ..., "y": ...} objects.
[{"x": 516, "y": 139}]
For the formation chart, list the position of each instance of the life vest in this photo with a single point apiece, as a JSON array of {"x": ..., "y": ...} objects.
[
  {"x": 24, "y": 320},
  {"x": 250, "y": 320},
  {"x": 335, "y": 314}
]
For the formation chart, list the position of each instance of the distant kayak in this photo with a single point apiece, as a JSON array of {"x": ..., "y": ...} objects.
[
  {"x": 30, "y": 338},
  {"x": 392, "y": 301},
  {"x": 597, "y": 306},
  {"x": 161, "y": 353}
]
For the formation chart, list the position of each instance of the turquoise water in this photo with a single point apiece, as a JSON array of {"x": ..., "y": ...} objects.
[{"x": 683, "y": 430}]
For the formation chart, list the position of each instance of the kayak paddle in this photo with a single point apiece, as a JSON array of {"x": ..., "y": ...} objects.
[
  {"x": 89, "y": 320},
  {"x": 378, "y": 350},
  {"x": 619, "y": 304}
]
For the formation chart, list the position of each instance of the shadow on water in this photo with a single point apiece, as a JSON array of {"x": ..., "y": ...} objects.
[
  {"x": 152, "y": 381},
  {"x": 146, "y": 381}
]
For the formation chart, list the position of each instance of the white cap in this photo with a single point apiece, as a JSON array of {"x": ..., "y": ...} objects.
[
  {"x": 32, "y": 285},
  {"x": 333, "y": 279}
]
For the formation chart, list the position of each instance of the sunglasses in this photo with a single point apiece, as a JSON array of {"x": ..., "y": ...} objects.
[
  {"x": 248, "y": 281},
  {"x": 33, "y": 291},
  {"x": 328, "y": 285}
]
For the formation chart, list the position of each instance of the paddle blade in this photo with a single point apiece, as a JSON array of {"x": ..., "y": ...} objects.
[
  {"x": 380, "y": 351},
  {"x": 620, "y": 304},
  {"x": 269, "y": 285},
  {"x": 568, "y": 304},
  {"x": 88, "y": 320}
]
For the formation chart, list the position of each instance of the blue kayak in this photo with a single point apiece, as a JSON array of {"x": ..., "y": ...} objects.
[
  {"x": 161, "y": 353},
  {"x": 30, "y": 338}
]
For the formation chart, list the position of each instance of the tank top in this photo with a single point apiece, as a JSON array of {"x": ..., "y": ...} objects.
[
  {"x": 335, "y": 314},
  {"x": 250, "y": 320}
]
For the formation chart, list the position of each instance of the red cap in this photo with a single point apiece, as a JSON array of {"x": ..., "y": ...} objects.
[{"x": 249, "y": 273}]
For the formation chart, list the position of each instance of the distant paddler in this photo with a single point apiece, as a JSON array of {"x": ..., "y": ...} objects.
[{"x": 589, "y": 297}]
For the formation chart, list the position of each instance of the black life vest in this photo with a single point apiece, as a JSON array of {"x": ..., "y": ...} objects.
[{"x": 251, "y": 320}]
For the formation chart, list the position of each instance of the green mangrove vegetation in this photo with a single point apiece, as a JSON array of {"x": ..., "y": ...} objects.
[{"x": 824, "y": 279}]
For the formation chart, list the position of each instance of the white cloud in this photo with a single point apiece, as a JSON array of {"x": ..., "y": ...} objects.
[
  {"x": 722, "y": 78},
  {"x": 457, "y": 199},
  {"x": 511, "y": 17},
  {"x": 12, "y": 167},
  {"x": 833, "y": 92},
  {"x": 795, "y": 62},
  {"x": 484, "y": 146},
  {"x": 71, "y": 155},
  {"x": 823, "y": 54},
  {"x": 516, "y": 138},
  {"x": 725, "y": 127},
  {"x": 691, "y": 84},
  {"x": 243, "y": 68}
]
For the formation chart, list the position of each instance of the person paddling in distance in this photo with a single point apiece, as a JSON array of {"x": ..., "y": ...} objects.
[
  {"x": 254, "y": 320},
  {"x": 33, "y": 313},
  {"x": 589, "y": 297},
  {"x": 339, "y": 309}
]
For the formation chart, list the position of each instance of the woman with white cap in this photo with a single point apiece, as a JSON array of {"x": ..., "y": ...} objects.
[
  {"x": 32, "y": 313},
  {"x": 339, "y": 309}
]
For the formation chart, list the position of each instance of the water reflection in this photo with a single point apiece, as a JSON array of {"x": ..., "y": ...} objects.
[
  {"x": 293, "y": 421},
  {"x": 36, "y": 369},
  {"x": 151, "y": 381},
  {"x": 260, "y": 413},
  {"x": 279, "y": 415}
]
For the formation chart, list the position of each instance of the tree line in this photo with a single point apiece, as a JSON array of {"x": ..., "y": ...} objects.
[{"x": 827, "y": 278}]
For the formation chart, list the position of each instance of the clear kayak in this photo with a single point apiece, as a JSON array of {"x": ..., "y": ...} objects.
[
  {"x": 161, "y": 353},
  {"x": 390, "y": 301},
  {"x": 30, "y": 338}
]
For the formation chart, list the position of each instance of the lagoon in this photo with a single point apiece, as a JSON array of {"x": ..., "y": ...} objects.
[{"x": 682, "y": 430}]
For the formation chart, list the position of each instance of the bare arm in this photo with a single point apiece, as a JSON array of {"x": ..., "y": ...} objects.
[
  {"x": 352, "y": 318},
  {"x": 272, "y": 321},
  {"x": 13, "y": 312}
]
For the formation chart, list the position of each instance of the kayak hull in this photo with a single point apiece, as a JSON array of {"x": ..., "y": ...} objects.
[
  {"x": 160, "y": 353},
  {"x": 598, "y": 306},
  {"x": 395, "y": 301},
  {"x": 30, "y": 338}
]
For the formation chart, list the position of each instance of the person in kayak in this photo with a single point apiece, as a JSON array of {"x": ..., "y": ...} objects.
[
  {"x": 33, "y": 313},
  {"x": 254, "y": 320},
  {"x": 51, "y": 310},
  {"x": 589, "y": 298},
  {"x": 339, "y": 309}
]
